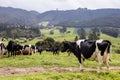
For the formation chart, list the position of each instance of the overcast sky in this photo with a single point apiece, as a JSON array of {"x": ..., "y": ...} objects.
[{"x": 45, "y": 5}]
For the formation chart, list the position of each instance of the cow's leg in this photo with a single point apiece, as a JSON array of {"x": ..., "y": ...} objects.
[
  {"x": 1, "y": 54},
  {"x": 58, "y": 53},
  {"x": 14, "y": 53},
  {"x": 107, "y": 63},
  {"x": 81, "y": 65},
  {"x": 40, "y": 52},
  {"x": 8, "y": 54},
  {"x": 81, "y": 62},
  {"x": 11, "y": 53},
  {"x": 53, "y": 53},
  {"x": 21, "y": 52},
  {"x": 69, "y": 53},
  {"x": 106, "y": 60},
  {"x": 100, "y": 62}
]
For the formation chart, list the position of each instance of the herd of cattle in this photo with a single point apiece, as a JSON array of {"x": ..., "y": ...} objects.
[
  {"x": 98, "y": 50},
  {"x": 13, "y": 49}
]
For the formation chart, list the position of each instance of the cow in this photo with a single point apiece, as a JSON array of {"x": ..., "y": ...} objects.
[
  {"x": 2, "y": 49},
  {"x": 98, "y": 50},
  {"x": 27, "y": 50},
  {"x": 55, "y": 50},
  {"x": 18, "y": 52},
  {"x": 33, "y": 48},
  {"x": 40, "y": 49},
  {"x": 48, "y": 49},
  {"x": 69, "y": 53},
  {"x": 13, "y": 47}
]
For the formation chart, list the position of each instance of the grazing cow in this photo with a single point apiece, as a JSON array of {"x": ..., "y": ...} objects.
[
  {"x": 27, "y": 50},
  {"x": 13, "y": 47},
  {"x": 69, "y": 53},
  {"x": 48, "y": 49},
  {"x": 18, "y": 52},
  {"x": 55, "y": 50},
  {"x": 98, "y": 50},
  {"x": 2, "y": 49},
  {"x": 33, "y": 48},
  {"x": 39, "y": 48}
]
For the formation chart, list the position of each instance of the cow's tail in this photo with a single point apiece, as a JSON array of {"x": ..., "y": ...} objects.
[{"x": 109, "y": 50}]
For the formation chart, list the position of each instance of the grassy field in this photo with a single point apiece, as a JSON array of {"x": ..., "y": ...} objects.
[
  {"x": 66, "y": 76},
  {"x": 47, "y": 61}
]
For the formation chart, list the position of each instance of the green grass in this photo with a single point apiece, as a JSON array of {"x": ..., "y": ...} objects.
[
  {"x": 47, "y": 60},
  {"x": 44, "y": 60},
  {"x": 60, "y": 36},
  {"x": 66, "y": 76}
]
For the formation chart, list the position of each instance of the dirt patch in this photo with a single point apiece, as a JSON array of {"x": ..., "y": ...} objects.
[
  {"x": 10, "y": 71},
  {"x": 74, "y": 69},
  {"x": 7, "y": 71}
]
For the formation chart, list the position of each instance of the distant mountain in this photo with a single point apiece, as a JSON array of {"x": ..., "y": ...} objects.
[
  {"x": 81, "y": 17},
  {"x": 16, "y": 16}
]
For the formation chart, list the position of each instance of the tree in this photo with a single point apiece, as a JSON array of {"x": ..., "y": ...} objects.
[
  {"x": 114, "y": 32},
  {"x": 76, "y": 38},
  {"x": 49, "y": 42},
  {"x": 82, "y": 33},
  {"x": 17, "y": 31},
  {"x": 93, "y": 34}
]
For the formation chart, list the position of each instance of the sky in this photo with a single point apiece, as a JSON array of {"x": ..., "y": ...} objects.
[{"x": 46, "y": 5}]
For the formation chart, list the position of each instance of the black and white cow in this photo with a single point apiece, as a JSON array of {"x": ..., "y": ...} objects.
[
  {"x": 28, "y": 49},
  {"x": 13, "y": 47},
  {"x": 33, "y": 48},
  {"x": 2, "y": 49},
  {"x": 98, "y": 50}
]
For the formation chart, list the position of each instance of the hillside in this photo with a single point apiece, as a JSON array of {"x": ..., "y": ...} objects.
[
  {"x": 15, "y": 16},
  {"x": 108, "y": 21},
  {"x": 81, "y": 17}
]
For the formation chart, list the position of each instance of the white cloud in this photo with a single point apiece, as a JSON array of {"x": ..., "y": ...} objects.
[
  {"x": 44, "y": 5},
  {"x": 94, "y": 4}
]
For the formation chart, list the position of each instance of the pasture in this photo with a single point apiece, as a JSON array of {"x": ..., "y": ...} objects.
[{"x": 57, "y": 67}]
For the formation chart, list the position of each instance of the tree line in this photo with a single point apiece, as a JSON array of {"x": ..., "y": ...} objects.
[
  {"x": 94, "y": 33},
  {"x": 17, "y": 31}
]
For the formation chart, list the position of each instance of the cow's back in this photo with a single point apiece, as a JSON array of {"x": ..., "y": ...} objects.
[{"x": 88, "y": 48}]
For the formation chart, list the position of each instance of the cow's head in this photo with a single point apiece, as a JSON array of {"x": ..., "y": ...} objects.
[{"x": 67, "y": 46}]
